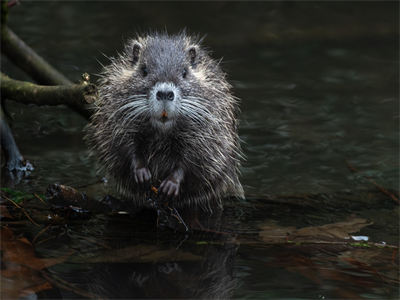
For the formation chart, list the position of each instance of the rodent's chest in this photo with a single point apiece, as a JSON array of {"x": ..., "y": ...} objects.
[{"x": 160, "y": 154}]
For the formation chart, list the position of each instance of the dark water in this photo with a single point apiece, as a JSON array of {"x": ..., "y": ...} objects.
[{"x": 319, "y": 87}]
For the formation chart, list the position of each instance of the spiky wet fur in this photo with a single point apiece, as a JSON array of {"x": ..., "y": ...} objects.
[{"x": 203, "y": 137}]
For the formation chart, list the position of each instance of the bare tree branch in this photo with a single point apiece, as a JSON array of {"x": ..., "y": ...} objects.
[{"x": 28, "y": 60}]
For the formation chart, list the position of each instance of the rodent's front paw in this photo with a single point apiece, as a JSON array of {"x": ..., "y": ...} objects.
[
  {"x": 142, "y": 176},
  {"x": 169, "y": 188}
]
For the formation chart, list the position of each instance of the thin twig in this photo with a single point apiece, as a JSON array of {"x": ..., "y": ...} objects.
[
  {"x": 45, "y": 240},
  {"x": 40, "y": 233},
  {"x": 12, "y": 201},
  {"x": 321, "y": 242},
  {"x": 39, "y": 198},
  {"x": 381, "y": 188},
  {"x": 22, "y": 209}
]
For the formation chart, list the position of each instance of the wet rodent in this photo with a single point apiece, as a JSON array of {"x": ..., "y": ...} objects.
[{"x": 166, "y": 117}]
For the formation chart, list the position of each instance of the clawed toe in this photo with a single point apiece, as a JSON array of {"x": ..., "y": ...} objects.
[
  {"x": 142, "y": 176},
  {"x": 169, "y": 189}
]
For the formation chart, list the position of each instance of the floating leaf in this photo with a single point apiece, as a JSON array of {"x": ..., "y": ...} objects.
[
  {"x": 19, "y": 281},
  {"x": 272, "y": 233},
  {"x": 20, "y": 274},
  {"x": 20, "y": 251},
  {"x": 339, "y": 230}
]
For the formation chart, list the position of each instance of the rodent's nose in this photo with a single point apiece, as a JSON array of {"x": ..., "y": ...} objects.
[{"x": 165, "y": 95}]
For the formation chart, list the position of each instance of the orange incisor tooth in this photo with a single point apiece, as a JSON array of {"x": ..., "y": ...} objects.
[{"x": 164, "y": 114}]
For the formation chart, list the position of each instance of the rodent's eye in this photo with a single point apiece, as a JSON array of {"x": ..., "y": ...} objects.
[
  {"x": 144, "y": 71},
  {"x": 184, "y": 73}
]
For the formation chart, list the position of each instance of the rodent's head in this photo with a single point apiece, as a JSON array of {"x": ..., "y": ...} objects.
[{"x": 164, "y": 78}]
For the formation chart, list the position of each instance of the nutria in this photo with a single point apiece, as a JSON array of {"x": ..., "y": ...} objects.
[{"x": 166, "y": 117}]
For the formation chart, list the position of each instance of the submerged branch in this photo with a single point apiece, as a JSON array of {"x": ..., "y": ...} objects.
[
  {"x": 379, "y": 187},
  {"x": 76, "y": 96}
]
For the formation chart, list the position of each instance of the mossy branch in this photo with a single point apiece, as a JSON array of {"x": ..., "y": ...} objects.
[{"x": 76, "y": 96}]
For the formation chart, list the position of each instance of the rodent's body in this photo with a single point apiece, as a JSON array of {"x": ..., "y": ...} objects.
[{"x": 166, "y": 117}]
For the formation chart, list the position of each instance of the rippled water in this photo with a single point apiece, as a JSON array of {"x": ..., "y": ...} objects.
[{"x": 319, "y": 87}]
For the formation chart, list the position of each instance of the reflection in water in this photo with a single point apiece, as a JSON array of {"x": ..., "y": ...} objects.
[
  {"x": 210, "y": 277},
  {"x": 147, "y": 263}
]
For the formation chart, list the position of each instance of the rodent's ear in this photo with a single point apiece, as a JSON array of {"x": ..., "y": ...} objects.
[
  {"x": 192, "y": 56},
  {"x": 135, "y": 53}
]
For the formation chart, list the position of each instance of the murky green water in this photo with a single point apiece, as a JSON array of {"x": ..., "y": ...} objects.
[{"x": 319, "y": 87}]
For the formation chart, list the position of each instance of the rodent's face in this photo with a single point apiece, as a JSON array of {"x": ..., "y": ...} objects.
[
  {"x": 164, "y": 70},
  {"x": 161, "y": 81}
]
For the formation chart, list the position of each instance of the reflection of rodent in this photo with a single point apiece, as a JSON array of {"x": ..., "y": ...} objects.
[{"x": 166, "y": 117}]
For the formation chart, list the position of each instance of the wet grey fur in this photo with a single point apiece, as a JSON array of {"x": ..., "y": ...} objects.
[{"x": 200, "y": 138}]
